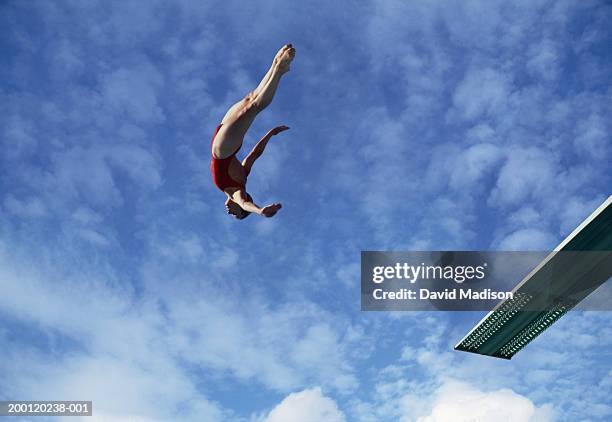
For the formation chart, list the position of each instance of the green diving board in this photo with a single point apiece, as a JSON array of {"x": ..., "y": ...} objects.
[{"x": 577, "y": 266}]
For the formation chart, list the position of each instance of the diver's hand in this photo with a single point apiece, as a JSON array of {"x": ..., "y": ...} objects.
[
  {"x": 270, "y": 210},
  {"x": 278, "y": 129}
]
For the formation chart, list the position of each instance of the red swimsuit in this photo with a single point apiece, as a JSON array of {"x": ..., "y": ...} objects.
[{"x": 219, "y": 167}]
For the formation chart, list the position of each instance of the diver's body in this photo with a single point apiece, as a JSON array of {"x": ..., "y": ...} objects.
[{"x": 229, "y": 174}]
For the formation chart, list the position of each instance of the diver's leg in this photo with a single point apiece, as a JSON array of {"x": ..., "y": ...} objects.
[
  {"x": 262, "y": 96},
  {"x": 268, "y": 74},
  {"x": 277, "y": 59},
  {"x": 264, "y": 93},
  {"x": 240, "y": 116}
]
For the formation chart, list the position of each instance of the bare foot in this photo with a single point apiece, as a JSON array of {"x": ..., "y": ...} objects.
[
  {"x": 284, "y": 57},
  {"x": 280, "y": 52}
]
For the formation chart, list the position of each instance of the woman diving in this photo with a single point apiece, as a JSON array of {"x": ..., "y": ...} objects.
[{"x": 229, "y": 174}]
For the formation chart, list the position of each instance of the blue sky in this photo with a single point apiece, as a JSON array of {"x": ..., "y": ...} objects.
[{"x": 414, "y": 125}]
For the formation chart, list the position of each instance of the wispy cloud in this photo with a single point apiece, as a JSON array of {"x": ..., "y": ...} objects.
[
  {"x": 437, "y": 125},
  {"x": 307, "y": 405}
]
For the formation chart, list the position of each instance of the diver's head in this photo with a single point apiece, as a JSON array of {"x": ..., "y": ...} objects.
[{"x": 236, "y": 210}]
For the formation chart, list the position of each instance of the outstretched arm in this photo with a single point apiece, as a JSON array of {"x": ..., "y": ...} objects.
[
  {"x": 260, "y": 147},
  {"x": 240, "y": 197}
]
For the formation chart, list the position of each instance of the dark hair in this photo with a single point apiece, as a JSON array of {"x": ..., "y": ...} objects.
[{"x": 244, "y": 214}]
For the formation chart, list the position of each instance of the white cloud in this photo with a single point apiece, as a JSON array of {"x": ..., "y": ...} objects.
[
  {"x": 306, "y": 406},
  {"x": 574, "y": 211},
  {"x": 134, "y": 92},
  {"x": 89, "y": 174},
  {"x": 225, "y": 258},
  {"x": 103, "y": 347},
  {"x": 86, "y": 216},
  {"x": 122, "y": 390},
  {"x": 592, "y": 137},
  {"x": 482, "y": 92},
  {"x": 80, "y": 172},
  {"x": 526, "y": 240},
  {"x": 142, "y": 166},
  {"x": 525, "y": 216},
  {"x": 485, "y": 66},
  {"x": 26, "y": 208},
  {"x": 67, "y": 60},
  {"x": 527, "y": 173},
  {"x": 472, "y": 164},
  {"x": 278, "y": 348},
  {"x": 460, "y": 402},
  {"x": 93, "y": 236},
  {"x": 17, "y": 138},
  {"x": 121, "y": 344},
  {"x": 349, "y": 274},
  {"x": 544, "y": 60}
]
